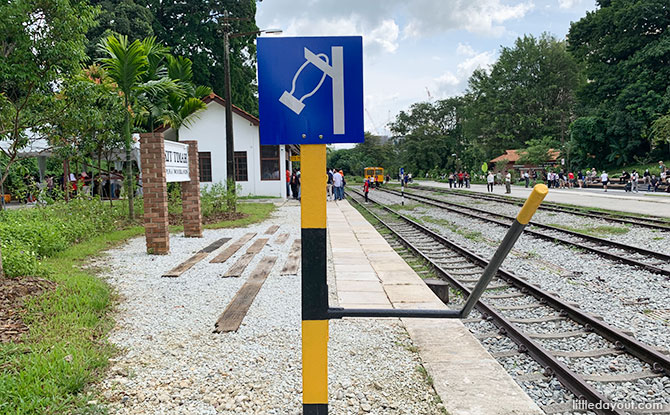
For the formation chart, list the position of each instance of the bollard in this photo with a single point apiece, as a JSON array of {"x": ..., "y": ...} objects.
[{"x": 440, "y": 288}]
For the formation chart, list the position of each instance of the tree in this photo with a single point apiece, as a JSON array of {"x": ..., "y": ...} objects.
[
  {"x": 193, "y": 29},
  {"x": 126, "y": 64},
  {"x": 529, "y": 94},
  {"x": 660, "y": 132},
  {"x": 42, "y": 42},
  {"x": 118, "y": 17},
  {"x": 430, "y": 135},
  {"x": 625, "y": 48},
  {"x": 537, "y": 151},
  {"x": 183, "y": 105}
]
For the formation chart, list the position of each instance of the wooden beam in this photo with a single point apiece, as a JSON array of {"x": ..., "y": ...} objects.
[
  {"x": 281, "y": 238},
  {"x": 199, "y": 256},
  {"x": 230, "y": 251},
  {"x": 240, "y": 265},
  {"x": 232, "y": 316},
  {"x": 272, "y": 229},
  {"x": 293, "y": 261}
]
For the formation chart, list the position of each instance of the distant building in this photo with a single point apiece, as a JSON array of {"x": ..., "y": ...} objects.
[
  {"x": 513, "y": 158},
  {"x": 259, "y": 170}
]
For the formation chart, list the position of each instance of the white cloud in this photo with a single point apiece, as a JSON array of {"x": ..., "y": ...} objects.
[
  {"x": 380, "y": 37},
  {"x": 420, "y": 17},
  {"x": 568, "y": 4},
  {"x": 448, "y": 79},
  {"x": 479, "y": 60},
  {"x": 465, "y": 49},
  {"x": 449, "y": 83},
  {"x": 384, "y": 36},
  {"x": 484, "y": 17}
]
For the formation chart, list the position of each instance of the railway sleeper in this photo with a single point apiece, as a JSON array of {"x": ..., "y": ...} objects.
[{"x": 544, "y": 319}]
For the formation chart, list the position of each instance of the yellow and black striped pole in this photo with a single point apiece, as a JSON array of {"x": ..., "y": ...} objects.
[{"x": 314, "y": 284}]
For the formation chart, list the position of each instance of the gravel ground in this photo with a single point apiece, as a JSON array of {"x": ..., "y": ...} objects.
[
  {"x": 170, "y": 362},
  {"x": 596, "y": 284},
  {"x": 623, "y": 295},
  {"x": 636, "y": 235}
]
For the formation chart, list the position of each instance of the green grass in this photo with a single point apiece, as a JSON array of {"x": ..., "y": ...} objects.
[
  {"x": 475, "y": 236},
  {"x": 257, "y": 212},
  {"x": 65, "y": 347},
  {"x": 406, "y": 206},
  {"x": 252, "y": 197},
  {"x": 600, "y": 230}
]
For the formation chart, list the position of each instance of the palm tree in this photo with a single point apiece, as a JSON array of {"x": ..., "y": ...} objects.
[
  {"x": 181, "y": 108},
  {"x": 127, "y": 64}
]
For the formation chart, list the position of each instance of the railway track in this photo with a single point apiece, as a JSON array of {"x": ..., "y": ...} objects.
[
  {"x": 532, "y": 318},
  {"x": 653, "y": 261},
  {"x": 644, "y": 221}
]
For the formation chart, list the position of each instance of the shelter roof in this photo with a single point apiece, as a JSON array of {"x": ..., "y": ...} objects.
[{"x": 512, "y": 156}]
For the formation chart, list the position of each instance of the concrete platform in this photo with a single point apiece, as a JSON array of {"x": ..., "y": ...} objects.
[
  {"x": 656, "y": 204},
  {"x": 369, "y": 273}
]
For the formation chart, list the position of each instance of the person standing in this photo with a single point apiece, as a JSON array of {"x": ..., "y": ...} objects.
[
  {"x": 634, "y": 177},
  {"x": 294, "y": 185},
  {"x": 604, "y": 179},
  {"x": 526, "y": 178},
  {"x": 508, "y": 182},
  {"x": 647, "y": 179},
  {"x": 366, "y": 189},
  {"x": 466, "y": 177},
  {"x": 571, "y": 180},
  {"x": 288, "y": 183},
  {"x": 451, "y": 180},
  {"x": 329, "y": 185},
  {"x": 299, "y": 182},
  {"x": 490, "y": 179},
  {"x": 337, "y": 184},
  {"x": 460, "y": 179}
]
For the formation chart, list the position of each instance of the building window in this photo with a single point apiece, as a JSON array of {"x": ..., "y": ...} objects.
[
  {"x": 241, "y": 174},
  {"x": 269, "y": 162},
  {"x": 205, "y": 166}
]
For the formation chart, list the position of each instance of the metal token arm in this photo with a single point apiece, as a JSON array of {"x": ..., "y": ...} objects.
[{"x": 522, "y": 219}]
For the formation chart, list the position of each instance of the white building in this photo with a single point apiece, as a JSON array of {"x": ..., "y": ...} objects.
[{"x": 259, "y": 170}]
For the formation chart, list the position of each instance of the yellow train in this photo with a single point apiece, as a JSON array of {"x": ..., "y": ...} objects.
[{"x": 377, "y": 172}]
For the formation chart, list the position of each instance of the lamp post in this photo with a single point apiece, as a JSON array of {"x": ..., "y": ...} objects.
[{"x": 230, "y": 146}]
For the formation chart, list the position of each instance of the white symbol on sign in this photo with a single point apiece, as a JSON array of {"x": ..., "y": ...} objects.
[{"x": 336, "y": 73}]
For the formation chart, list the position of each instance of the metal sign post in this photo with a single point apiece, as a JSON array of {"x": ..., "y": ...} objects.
[{"x": 311, "y": 93}]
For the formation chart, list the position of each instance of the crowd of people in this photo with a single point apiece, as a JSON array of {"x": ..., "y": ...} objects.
[
  {"x": 458, "y": 179},
  {"x": 560, "y": 179},
  {"x": 105, "y": 184}
]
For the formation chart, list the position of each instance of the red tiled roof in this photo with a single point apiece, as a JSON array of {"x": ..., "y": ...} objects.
[
  {"x": 513, "y": 156},
  {"x": 213, "y": 97},
  {"x": 510, "y": 156}
]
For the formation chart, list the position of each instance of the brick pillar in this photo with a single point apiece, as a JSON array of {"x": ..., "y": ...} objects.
[
  {"x": 190, "y": 194},
  {"x": 154, "y": 188}
]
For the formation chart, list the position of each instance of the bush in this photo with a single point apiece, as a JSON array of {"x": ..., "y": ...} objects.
[
  {"x": 218, "y": 198},
  {"x": 18, "y": 259},
  {"x": 30, "y": 234}
]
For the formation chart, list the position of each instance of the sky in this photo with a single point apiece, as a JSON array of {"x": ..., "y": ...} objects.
[{"x": 420, "y": 50}]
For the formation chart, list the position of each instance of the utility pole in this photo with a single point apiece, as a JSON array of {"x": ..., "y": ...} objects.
[{"x": 230, "y": 143}]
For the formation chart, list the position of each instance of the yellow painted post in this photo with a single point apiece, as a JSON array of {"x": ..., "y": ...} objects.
[{"x": 314, "y": 285}]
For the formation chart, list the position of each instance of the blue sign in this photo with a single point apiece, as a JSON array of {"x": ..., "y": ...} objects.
[{"x": 310, "y": 90}]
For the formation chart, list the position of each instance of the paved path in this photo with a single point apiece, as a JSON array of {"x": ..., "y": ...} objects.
[
  {"x": 657, "y": 204},
  {"x": 369, "y": 273}
]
